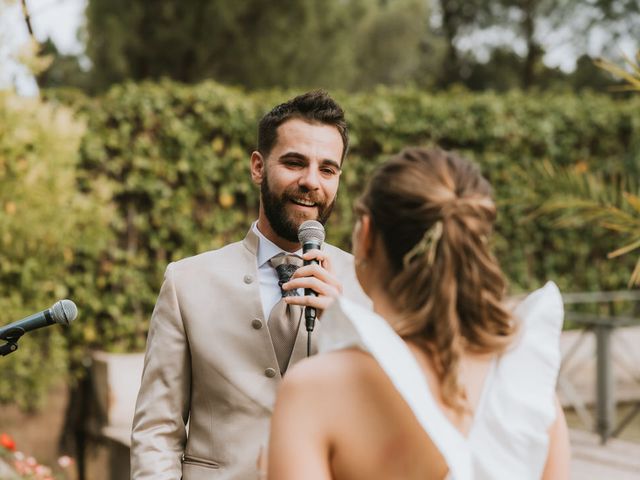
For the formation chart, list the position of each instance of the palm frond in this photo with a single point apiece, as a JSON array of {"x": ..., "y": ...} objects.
[
  {"x": 633, "y": 200},
  {"x": 626, "y": 249},
  {"x": 634, "y": 280},
  {"x": 631, "y": 74},
  {"x": 576, "y": 198}
]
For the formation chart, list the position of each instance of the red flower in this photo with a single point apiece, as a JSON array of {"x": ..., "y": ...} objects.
[{"x": 7, "y": 442}]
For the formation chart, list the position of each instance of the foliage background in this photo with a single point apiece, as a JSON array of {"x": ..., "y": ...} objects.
[
  {"x": 153, "y": 172},
  {"x": 49, "y": 234}
]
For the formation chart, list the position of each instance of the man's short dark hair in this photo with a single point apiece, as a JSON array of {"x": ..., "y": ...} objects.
[{"x": 314, "y": 107}]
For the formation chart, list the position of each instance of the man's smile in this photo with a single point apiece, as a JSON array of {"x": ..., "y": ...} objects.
[{"x": 303, "y": 202}]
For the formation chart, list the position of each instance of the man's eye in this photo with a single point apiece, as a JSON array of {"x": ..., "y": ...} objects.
[
  {"x": 329, "y": 171},
  {"x": 293, "y": 163}
]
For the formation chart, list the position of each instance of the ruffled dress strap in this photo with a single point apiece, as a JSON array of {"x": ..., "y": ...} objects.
[
  {"x": 509, "y": 437},
  {"x": 348, "y": 325}
]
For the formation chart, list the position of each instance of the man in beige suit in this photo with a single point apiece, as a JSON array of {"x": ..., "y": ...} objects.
[{"x": 210, "y": 357}]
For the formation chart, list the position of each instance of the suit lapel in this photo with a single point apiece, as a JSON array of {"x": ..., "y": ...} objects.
[{"x": 247, "y": 368}]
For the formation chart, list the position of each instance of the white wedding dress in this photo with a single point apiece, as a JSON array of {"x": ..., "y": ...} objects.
[{"x": 508, "y": 438}]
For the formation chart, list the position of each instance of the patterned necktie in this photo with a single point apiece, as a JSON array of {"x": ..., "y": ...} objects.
[{"x": 284, "y": 319}]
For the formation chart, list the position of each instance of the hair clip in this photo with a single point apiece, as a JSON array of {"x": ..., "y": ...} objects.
[{"x": 426, "y": 246}]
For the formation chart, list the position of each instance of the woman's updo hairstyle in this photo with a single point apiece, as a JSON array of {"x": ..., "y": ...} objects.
[{"x": 434, "y": 212}]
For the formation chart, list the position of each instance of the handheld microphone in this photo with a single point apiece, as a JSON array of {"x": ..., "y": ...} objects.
[
  {"x": 311, "y": 236},
  {"x": 63, "y": 312}
]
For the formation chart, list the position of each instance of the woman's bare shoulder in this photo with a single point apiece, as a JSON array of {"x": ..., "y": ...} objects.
[{"x": 346, "y": 368}]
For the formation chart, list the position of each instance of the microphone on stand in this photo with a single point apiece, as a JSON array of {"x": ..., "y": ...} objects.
[
  {"x": 311, "y": 235},
  {"x": 63, "y": 312}
]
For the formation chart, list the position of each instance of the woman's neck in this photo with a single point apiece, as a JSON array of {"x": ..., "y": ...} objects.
[{"x": 384, "y": 307}]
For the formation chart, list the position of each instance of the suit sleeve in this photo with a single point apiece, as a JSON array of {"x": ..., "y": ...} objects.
[{"x": 159, "y": 426}]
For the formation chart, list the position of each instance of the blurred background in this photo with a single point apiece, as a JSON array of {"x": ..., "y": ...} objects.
[
  {"x": 125, "y": 134},
  {"x": 352, "y": 45}
]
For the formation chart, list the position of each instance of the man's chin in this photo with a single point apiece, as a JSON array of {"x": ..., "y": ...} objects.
[
  {"x": 286, "y": 217},
  {"x": 290, "y": 230},
  {"x": 298, "y": 214}
]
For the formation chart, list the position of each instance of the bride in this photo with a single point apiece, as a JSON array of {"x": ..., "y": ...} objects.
[{"x": 443, "y": 380}]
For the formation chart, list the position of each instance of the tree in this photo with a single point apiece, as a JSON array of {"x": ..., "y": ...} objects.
[
  {"x": 525, "y": 27},
  {"x": 63, "y": 71},
  {"x": 457, "y": 16},
  {"x": 250, "y": 43},
  {"x": 588, "y": 75},
  {"x": 394, "y": 45},
  {"x": 291, "y": 43},
  {"x": 500, "y": 73}
]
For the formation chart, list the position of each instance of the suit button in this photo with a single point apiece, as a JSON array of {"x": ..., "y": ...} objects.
[
  {"x": 256, "y": 324},
  {"x": 248, "y": 279},
  {"x": 270, "y": 372}
]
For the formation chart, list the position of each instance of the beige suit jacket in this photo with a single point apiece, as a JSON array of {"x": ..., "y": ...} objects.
[{"x": 210, "y": 361}]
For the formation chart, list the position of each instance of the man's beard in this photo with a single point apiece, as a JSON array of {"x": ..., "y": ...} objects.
[{"x": 283, "y": 224}]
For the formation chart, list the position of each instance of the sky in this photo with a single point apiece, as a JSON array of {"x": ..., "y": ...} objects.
[
  {"x": 55, "y": 19},
  {"x": 60, "y": 20}
]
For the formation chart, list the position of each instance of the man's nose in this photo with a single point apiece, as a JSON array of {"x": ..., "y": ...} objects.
[{"x": 310, "y": 179}]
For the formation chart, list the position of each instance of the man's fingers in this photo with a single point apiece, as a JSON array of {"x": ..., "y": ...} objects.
[
  {"x": 320, "y": 286},
  {"x": 312, "y": 271},
  {"x": 326, "y": 292},
  {"x": 317, "y": 277},
  {"x": 321, "y": 257},
  {"x": 319, "y": 303}
]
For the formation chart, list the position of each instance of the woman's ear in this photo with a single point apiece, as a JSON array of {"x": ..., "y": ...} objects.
[
  {"x": 368, "y": 235},
  {"x": 363, "y": 238}
]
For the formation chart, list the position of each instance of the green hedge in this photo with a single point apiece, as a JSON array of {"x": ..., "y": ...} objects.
[
  {"x": 179, "y": 157},
  {"x": 48, "y": 229},
  {"x": 170, "y": 163}
]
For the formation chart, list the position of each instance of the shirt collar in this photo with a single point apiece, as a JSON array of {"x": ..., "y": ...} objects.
[{"x": 266, "y": 248}]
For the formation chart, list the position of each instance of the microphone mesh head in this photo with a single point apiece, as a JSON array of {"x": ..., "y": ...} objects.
[
  {"x": 311, "y": 231},
  {"x": 64, "y": 312}
]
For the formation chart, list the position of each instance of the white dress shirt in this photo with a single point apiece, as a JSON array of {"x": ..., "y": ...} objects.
[{"x": 269, "y": 289}]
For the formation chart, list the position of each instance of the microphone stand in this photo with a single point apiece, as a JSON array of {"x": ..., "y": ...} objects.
[{"x": 12, "y": 337}]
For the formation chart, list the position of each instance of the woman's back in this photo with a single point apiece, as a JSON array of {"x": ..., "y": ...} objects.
[
  {"x": 376, "y": 432},
  {"x": 379, "y": 422},
  {"x": 372, "y": 432}
]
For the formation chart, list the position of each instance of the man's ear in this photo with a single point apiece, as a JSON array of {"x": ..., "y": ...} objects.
[{"x": 257, "y": 167}]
